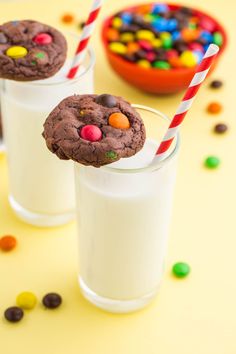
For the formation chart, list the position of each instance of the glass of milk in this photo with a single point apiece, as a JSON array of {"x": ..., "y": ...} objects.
[
  {"x": 41, "y": 187},
  {"x": 124, "y": 213}
]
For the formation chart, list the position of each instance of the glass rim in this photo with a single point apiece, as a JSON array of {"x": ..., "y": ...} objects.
[{"x": 154, "y": 166}]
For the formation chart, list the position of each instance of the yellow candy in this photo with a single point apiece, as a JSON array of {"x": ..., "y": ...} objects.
[
  {"x": 145, "y": 34},
  {"x": 165, "y": 35},
  {"x": 127, "y": 37},
  {"x": 117, "y": 22},
  {"x": 16, "y": 52},
  {"x": 188, "y": 59},
  {"x": 118, "y": 48},
  {"x": 26, "y": 300},
  {"x": 144, "y": 64},
  {"x": 157, "y": 43}
]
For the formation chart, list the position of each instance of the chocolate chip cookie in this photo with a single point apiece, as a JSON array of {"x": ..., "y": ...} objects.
[
  {"x": 94, "y": 130},
  {"x": 30, "y": 50}
]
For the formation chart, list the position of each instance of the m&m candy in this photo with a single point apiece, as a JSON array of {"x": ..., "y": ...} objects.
[
  {"x": 214, "y": 107},
  {"x": 43, "y": 38},
  {"x": 91, "y": 133},
  {"x": 16, "y": 52},
  {"x": 119, "y": 121},
  {"x": 26, "y": 300},
  {"x": 212, "y": 162},
  {"x": 14, "y": 314},
  {"x": 52, "y": 300},
  {"x": 181, "y": 269},
  {"x": 8, "y": 243}
]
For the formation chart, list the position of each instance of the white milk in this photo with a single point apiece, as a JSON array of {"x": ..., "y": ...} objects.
[
  {"x": 41, "y": 185},
  {"x": 123, "y": 227}
]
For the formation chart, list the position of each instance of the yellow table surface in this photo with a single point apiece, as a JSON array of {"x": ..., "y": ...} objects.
[{"x": 191, "y": 316}]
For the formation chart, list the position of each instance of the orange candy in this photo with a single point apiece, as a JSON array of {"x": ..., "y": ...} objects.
[
  {"x": 132, "y": 47},
  {"x": 112, "y": 34},
  {"x": 7, "y": 243},
  {"x": 214, "y": 107},
  {"x": 119, "y": 121},
  {"x": 175, "y": 62},
  {"x": 67, "y": 18},
  {"x": 189, "y": 34},
  {"x": 144, "y": 9}
]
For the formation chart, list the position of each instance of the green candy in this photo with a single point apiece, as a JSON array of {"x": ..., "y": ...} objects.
[
  {"x": 161, "y": 65},
  {"x": 180, "y": 269},
  {"x": 111, "y": 155},
  {"x": 217, "y": 38},
  {"x": 167, "y": 43},
  {"x": 40, "y": 55},
  {"x": 212, "y": 162}
]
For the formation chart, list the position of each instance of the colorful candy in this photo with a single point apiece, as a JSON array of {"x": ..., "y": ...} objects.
[
  {"x": 111, "y": 155},
  {"x": 13, "y": 314},
  {"x": 52, "y": 300},
  {"x": 43, "y": 38},
  {"x": 26, "y": 300},
  {"x": 212, "y": 162},
  {"x": 16, "y": 52},
  {"x": 137, "y": 36},
  {"x": 8, "y": 243},
  {"x": 119, "y": 121},
  {"x": 106, "y": 100},
  {"x": 214, "y": 108},
  {"x": 67, "y": 18},
  {"x": 181, "y": 269},
  {"x": 91, "y": 133},
  {"x": 220, "y": 128},
  {"x": 215, "y": 84}
]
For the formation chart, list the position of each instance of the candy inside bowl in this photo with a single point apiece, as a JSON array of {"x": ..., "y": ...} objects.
[{"x": 156, "y": 47}]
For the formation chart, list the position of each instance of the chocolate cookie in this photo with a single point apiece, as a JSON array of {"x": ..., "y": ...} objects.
[
  {"x": 94, "y": 130},
  {"x": 30, "y": 50}
]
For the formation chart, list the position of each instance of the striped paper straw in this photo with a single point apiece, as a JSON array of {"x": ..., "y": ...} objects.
[
  {"x": 186, "y": 103},
  {"x": 85, "y": 37}
]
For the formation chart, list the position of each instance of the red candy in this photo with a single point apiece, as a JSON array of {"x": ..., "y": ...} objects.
[
  {"x": 172, "y": 53},
  {"x": 91, "y": 133},
  {"x": 196, "y": 46},
  {"x": 151, "y": 56},
  {"x": 207, "y": 24},
  {"x": 146, "y": 45},
  {"x": 43, "y": 38}
]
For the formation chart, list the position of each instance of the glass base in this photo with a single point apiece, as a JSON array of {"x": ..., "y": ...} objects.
[
  {"x": 41, "y": 220},
  {"x": 116, "y": 306}
]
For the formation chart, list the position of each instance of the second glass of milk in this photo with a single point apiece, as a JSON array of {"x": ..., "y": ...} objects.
[
  {"x": 124, "y": 213},
  {"x": 41, "y": 187}
]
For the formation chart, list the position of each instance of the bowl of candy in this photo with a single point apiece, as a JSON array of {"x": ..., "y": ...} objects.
[{"x": 156, "y": 47}]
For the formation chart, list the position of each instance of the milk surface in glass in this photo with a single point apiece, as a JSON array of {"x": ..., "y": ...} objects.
[
  {"x": 41, "y": 186},
  {"x": 124, "y": 214}
]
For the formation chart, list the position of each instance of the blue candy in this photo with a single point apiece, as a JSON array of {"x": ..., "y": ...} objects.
[
  {"x": 207, "y": 36},
  {"x": 199, "y": 55},
  {"x": 160, "y": 8},
  {"x": 172, "y": 25},
  {"x": 176, "y": 35},
  {"x": 160, "y": 25},
  {"x": 126, "y": 18}
]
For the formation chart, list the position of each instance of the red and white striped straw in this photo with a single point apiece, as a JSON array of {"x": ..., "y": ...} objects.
[
  {"x": 85, "y": 37},
  {"x": 187, "y": 100}
]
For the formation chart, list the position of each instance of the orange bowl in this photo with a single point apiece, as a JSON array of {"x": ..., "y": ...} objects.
[{"x": 155, "y": 80}]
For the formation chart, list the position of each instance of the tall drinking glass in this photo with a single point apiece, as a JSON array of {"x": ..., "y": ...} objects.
[
  {"x": 124, "y": 213},
  {"x": 41, "y": 187}
]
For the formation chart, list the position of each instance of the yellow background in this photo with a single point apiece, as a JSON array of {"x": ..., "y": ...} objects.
[{"x": 191, "y": 316}]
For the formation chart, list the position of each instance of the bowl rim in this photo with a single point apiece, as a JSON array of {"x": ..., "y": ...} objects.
[{"x": 107, "y": 20}]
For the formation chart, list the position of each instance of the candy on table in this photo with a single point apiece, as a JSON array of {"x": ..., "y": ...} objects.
[
  {"x": 26, "y": 300},
  {"x": 68, "y": 18},
  {"x": 220, "y": 128},
  {"x": 13, "y": 314},
  {"x": 8, "y": 243},
  {"x": 214, "y": 108},
  {"x": 215, "y": 84},
  {"x": 153, "y": 27},
  {"x": 52, "y": 300},
  {"x": 181, "y": 269},
  {"x": 212, "y": 162}
]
